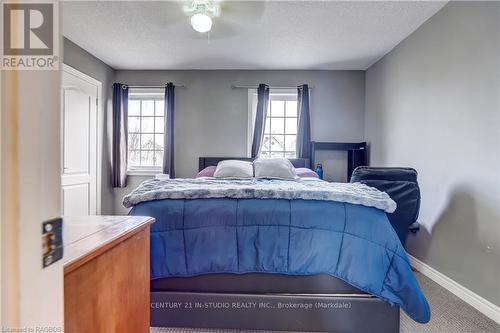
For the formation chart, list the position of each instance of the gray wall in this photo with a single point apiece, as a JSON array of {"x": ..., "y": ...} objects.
[
  {"x": 83, "y": 61},
  {"x": 432, "y": 103},
  {"x": 212, "y": 118}
]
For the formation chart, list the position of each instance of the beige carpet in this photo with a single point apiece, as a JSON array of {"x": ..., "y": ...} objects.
[{"x": 449, "y": 315}]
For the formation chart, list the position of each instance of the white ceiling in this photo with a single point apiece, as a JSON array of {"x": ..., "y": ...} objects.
[{"x": 248, "y": 35}]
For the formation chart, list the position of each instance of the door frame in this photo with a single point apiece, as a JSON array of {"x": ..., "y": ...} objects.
[
  {"x": 1, "y": 225},
  {"x": 99, "y": 126},
  {"x": 32, "y": 295}
]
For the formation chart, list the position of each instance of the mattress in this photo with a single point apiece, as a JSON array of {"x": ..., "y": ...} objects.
[{"x": 255, "y": 283}]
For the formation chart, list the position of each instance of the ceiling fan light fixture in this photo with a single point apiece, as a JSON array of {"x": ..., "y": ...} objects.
[{"x": 201, "y": 22}]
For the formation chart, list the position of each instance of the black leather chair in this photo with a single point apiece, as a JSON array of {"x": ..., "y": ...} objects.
[{"x": 402, "y": 186}]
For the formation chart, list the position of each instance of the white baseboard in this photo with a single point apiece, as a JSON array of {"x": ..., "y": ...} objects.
[{"x": 479, "y": 303}]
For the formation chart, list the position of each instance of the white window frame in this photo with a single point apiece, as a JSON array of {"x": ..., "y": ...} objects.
[
  {"x": 141, "y": 94},
  {"x": 252, "y": 109}
]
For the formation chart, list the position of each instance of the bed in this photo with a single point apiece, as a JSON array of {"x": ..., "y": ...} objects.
[{"x": 275, "y": 263}]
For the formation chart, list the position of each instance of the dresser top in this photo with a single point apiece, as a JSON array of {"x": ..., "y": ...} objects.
[{"x": 86, "y": 237}]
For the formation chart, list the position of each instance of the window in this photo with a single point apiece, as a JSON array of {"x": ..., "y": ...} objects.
[
  {"x": 280, "y": 131},
  {"x": 146, "y": 123}
]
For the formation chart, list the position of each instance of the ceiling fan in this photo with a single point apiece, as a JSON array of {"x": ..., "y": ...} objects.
[
  {"x": 223, "y": 18},
  {"x": 202, "y": 12}
]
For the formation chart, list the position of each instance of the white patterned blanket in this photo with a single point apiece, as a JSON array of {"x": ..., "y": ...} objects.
[{"x": 306, "y": 189}]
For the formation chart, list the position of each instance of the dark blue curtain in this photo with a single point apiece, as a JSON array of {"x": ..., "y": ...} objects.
[
  {"x": 168, "y": 152},
  {"x": 304, "y": 125},
  {"x": 120, "y": 135},
  {"x": 260, "y": 118}
]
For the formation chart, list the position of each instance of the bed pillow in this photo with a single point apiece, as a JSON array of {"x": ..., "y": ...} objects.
[
  {"x": 277, "y": 168},
  {"x": 306, "y": 172},
  {"x": 234, "y": 169},
  {"x": 207, "y": 172}
]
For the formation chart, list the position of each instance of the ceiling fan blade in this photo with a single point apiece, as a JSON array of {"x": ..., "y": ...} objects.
[
  {"x": 220, "y": 30},
  {"x": 242, "y": 12}
]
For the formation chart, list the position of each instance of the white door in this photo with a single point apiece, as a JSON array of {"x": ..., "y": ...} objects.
[{"x": 79, "y": 143}]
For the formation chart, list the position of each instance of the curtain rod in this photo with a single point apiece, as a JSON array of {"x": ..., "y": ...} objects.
[
  {"x": 134, "y": 86},
  {"x": 270, "y": 87}
]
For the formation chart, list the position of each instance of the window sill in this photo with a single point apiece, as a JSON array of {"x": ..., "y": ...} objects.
[{"x": 143, "y": 172}]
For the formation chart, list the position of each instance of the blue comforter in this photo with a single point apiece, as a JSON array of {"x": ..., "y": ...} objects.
[{"x": 298, "y": 237}]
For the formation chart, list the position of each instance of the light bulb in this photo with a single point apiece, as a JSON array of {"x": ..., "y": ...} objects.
[{"x": 201, "y": 22}]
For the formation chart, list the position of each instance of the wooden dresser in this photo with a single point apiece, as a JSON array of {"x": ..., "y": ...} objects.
[{"x": 106, "y": 274}]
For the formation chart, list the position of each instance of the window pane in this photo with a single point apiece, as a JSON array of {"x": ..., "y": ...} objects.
[
  {"x": 134, "y": 124},
  {"x": 277, "y": 108},
  {"x": 291, "y": 125},
  {"x": 134, "y": 141},
  {"x": 277, "y": 143},
  {"x": 265, "y": 154},
  {"x": 134, "y": 107},
  {"x": 159, "y": 108},
  {"x": 275, "y": 154},
  {"x": 158, "y": 159},
  {"x": 290, "y": 142},
  {"x": 158, "y": 141},
  {"x": 147, "y": 141},
  {"x": 267, "y": 128},
  {"x": 134, "y": 158},
  {"x": 159, "y": 124},
  {"x": 266, "y": 143},
  {"x": 291, "y": 108},
  {"x": 278, "y": 125},
  {"x": 147, "y": 157},
  {"x": 148, "y": 108},
  {"x": 147, "y": 125},
  {"x": 290, "y": 154}
]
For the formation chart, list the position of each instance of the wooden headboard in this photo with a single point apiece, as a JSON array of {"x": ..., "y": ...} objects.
[{"x": 209, "y": 161}]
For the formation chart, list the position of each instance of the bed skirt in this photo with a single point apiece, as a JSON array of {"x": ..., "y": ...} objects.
[{"x": 359, "y": 313}]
